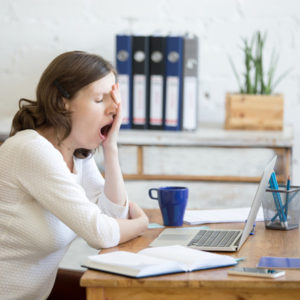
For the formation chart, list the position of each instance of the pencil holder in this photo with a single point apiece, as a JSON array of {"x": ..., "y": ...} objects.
[{"x": 282, "y": 208}]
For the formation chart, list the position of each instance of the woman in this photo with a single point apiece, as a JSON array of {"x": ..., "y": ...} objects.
[{"x": 50, "y": 187}]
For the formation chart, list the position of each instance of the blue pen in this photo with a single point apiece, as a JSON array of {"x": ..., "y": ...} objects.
[
  {"x": 288, "y": 185},
  {"x": 272, "y": 186},
  {"x": 277, "y": 200},
  {"x": 290, "y": 198}
]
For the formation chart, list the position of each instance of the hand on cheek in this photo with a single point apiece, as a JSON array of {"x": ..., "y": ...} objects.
[
  {"x": 113, "y": 133},
  {"x": 116, "y": 95}
]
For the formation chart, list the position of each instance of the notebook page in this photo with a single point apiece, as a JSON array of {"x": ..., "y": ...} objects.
[{"x": 189, "y": 259}]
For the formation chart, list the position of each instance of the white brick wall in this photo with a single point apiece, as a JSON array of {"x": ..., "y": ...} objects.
[{"x": 33, "y": 32}]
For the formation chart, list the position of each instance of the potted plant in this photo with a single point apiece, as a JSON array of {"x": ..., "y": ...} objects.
[{"x": 255, "y": 107}]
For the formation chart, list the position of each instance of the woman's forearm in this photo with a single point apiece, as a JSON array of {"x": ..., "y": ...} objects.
[
  {"x": 132, "y": 228},
  {"x": 114, "y": 187}
]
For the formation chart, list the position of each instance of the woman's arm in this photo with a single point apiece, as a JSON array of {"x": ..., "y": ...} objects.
[
  {"x": 114, "y": 186},
  {"x": 43, "y": 176},
  {"x": 135, "y": 226}
]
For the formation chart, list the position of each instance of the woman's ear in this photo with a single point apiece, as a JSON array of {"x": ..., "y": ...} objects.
[{"x": 66, "y": 103}]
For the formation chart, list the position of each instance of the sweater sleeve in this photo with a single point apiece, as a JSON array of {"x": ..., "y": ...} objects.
[
  {"x": 43, "y": 174},
  {"x": 93, "y": 184}
]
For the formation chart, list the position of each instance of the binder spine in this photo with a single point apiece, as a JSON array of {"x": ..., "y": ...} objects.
[
  {"x": 140, "y": 70},
  {"x": 157, "y": 82},
  {"x": 174, "y": 82},
  {"x": 190, "y": 83},
  {"x": 124, "y": 68}
]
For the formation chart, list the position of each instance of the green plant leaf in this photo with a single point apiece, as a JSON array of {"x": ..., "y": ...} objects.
[{"x": 255, "y": 79}]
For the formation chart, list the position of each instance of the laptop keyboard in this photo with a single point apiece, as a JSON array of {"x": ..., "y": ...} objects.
[{"x": 214, "y": 238}]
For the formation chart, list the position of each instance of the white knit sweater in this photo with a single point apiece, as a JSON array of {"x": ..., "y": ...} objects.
[{"x": 43, "y": 206}]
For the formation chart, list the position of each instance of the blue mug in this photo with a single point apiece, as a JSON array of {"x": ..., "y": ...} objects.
[{"x": 172, "y": 201}]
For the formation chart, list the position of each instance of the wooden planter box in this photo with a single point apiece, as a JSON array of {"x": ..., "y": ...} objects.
[{"x": 254, "y": 112}]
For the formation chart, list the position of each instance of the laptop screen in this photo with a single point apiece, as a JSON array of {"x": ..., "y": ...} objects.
[{"x": 263, "y": 185}]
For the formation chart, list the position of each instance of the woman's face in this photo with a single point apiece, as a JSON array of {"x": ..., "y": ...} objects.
[{"x": 92, "y": 111}]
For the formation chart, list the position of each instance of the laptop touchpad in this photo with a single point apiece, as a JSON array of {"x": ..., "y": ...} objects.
[{"x": 174, "y": 236}]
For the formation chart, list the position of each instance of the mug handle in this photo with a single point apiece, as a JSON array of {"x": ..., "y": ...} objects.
[{"x": 151, "y": 195}]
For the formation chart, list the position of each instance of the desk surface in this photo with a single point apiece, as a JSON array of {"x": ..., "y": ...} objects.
[{"x": 262, "y": 243}]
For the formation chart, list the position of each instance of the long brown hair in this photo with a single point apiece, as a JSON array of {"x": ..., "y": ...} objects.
[{"x": 64, "y": 77}]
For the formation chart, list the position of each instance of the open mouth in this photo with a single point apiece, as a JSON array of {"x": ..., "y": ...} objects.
[{"x": 105, "y": 129}]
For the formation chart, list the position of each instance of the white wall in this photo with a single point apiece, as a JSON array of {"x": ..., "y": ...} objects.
[{"x": 33, "y": 32}]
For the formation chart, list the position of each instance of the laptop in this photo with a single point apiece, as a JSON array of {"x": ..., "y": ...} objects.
[{"x": 230, "y": 240}]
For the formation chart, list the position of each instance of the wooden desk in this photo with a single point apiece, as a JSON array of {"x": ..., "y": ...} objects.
[{"x": 205, "y": 284}]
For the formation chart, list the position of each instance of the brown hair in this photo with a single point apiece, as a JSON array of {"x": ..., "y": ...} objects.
[{"x": 64, "y": 77}]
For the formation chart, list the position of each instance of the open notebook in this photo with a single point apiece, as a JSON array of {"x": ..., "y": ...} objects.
[
  {"x": 157, "y": 261},
  {"x": 218, "y": 239}
]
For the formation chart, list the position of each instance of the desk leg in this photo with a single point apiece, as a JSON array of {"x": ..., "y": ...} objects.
[
  {"x": 94, "y": 293},
  {"x": 140, "y": 161}
]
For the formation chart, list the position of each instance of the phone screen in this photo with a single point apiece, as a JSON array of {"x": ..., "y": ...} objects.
[
  {"x": 269, "y": 273},
  {"x": 256, "y": 270}
]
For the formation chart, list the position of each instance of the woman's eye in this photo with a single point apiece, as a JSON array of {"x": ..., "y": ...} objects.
[{"x": 99, "y": 100}]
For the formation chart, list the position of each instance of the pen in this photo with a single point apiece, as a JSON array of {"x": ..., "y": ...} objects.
[
  {"x": 277, "y": 200},
  {"x": 288, "y": 184},
  {"x": 290, "y": 198}
]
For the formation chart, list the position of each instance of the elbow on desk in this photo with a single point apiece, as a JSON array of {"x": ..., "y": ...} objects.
[
  {"x": 105, "y": 234},
  {"x": 102, "y": 243}
]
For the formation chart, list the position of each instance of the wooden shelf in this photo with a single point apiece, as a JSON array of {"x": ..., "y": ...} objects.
[{"x": 161, "y": 149}]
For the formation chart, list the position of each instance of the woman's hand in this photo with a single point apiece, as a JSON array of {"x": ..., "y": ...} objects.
[
  {"x": 136, "y": 212},
  {"x": 111, "y": 139},
  {"x": 135, "y": 226}
]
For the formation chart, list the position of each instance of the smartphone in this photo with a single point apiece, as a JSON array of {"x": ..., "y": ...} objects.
[{"x": 257, "y": 272}]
